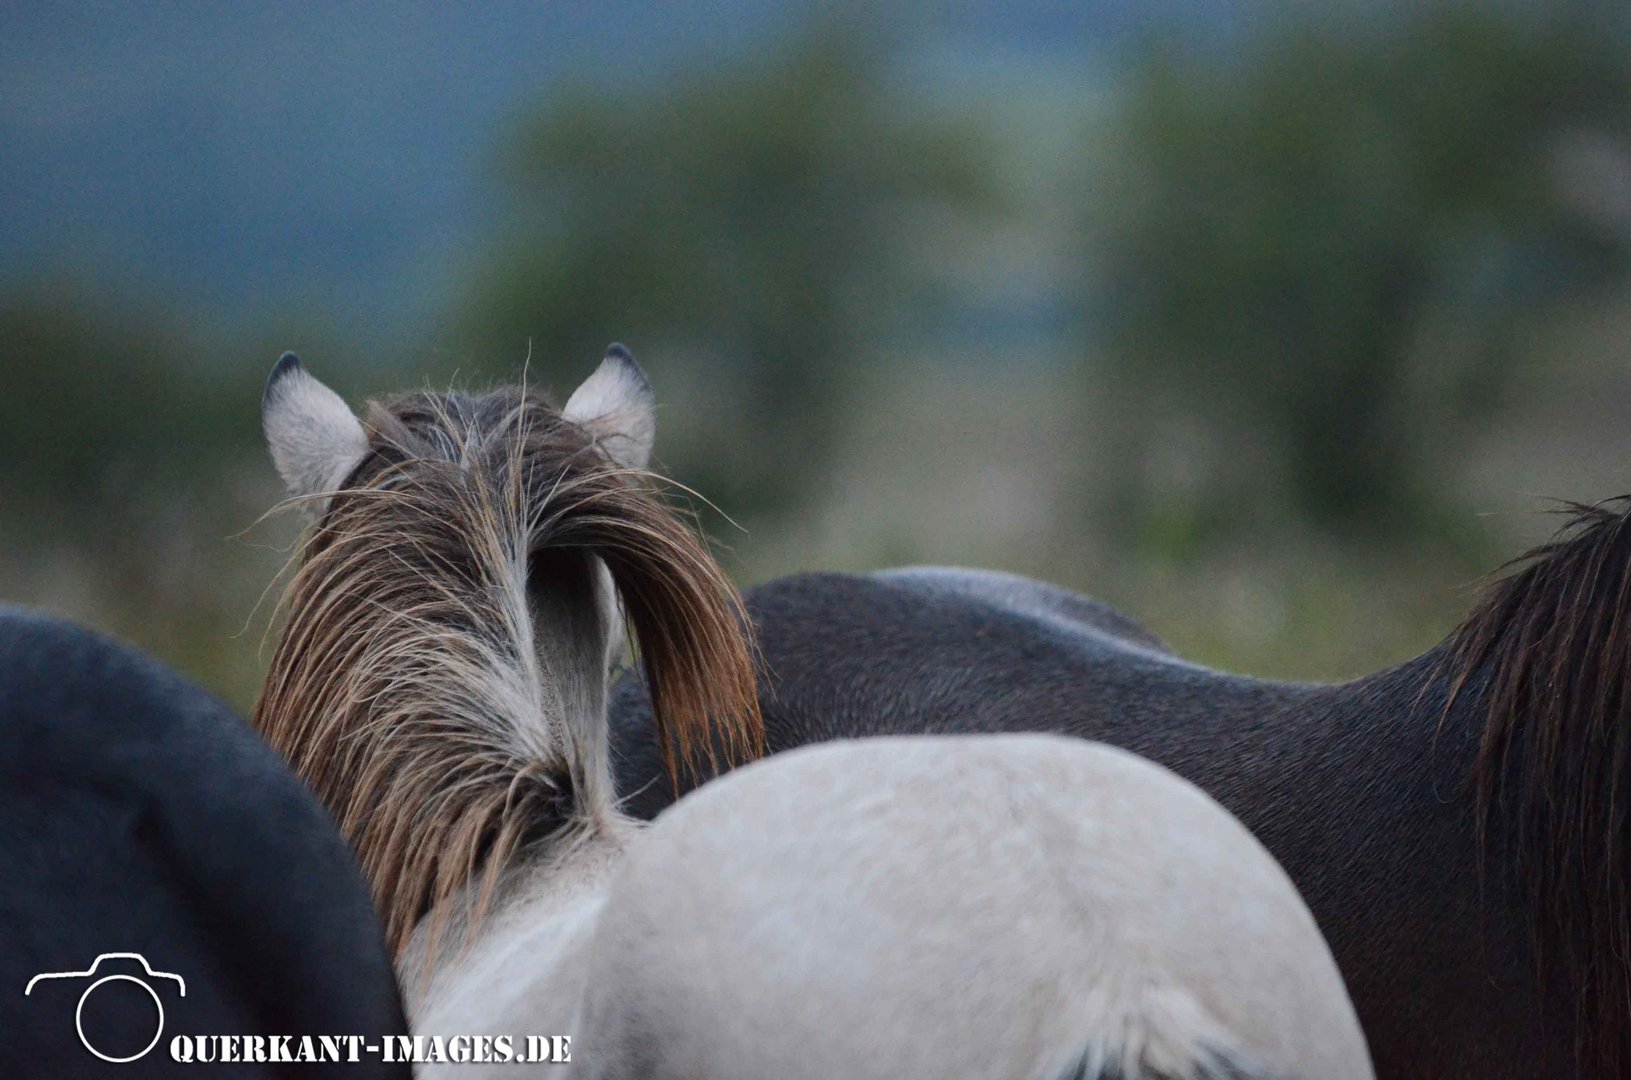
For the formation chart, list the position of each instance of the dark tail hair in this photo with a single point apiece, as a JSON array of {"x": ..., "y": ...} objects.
[{"x": 1550, "y": 648}]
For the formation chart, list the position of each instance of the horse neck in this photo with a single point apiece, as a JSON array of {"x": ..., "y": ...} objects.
[
  {"x": 521, "y": 966},
  {"x": 1344, "y": 781},
  {"x": 1352, "y": 774},
  {"x": 1402, "y": 719},
  {"x": 1379, "y": 823},
  {"x": 526, "y": 927},
  {"x": 556, "y": 706},
  {"x": 453, "y": 729},
  {"x": 570, "y": 640}
]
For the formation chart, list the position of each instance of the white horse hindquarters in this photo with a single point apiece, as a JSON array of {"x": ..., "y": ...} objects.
[
  {"x": 521, "y": 974},
  {"x": 1018, "y": 906}
]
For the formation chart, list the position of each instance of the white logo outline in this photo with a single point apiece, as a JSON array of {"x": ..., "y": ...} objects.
[{"x": 79, "y": 1011}]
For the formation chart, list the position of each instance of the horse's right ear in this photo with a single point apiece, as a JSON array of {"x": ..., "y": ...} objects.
[
  {"x": 314, "y": 438},
  {"x": 616, "y": 406}
]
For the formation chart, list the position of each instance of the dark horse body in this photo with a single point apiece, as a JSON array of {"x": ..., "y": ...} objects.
[
  {"x": 1406, "y": 811},
  {"x": 138, "y": 815}
]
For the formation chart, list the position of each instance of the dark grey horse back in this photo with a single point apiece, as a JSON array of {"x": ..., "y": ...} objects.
[{"x": 1358, "y": 789}]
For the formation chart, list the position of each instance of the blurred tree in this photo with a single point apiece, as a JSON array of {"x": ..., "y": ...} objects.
[
  {"x": 125, "y": 474},
  {"x": 747, "y": 218},
  {"x": 102, "y": 405},
  {"x": 1292, "y": 226}
]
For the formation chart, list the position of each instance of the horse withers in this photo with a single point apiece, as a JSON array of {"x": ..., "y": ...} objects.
[{"x": 1022, "y": 906}]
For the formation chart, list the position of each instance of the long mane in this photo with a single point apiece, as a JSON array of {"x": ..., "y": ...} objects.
[
  {"x": 1551, "y": 646},
  {"x": 407, "y": 688}
]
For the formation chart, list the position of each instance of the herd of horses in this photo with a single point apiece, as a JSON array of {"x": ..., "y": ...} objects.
[
  {"x": 1025, "y": 906},
  {"x": 925, "y": 822}
]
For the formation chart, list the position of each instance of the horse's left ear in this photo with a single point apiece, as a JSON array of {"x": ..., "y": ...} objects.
[
  {"x": 314, "y": 437},
  {"x": 617, "y": 407}
]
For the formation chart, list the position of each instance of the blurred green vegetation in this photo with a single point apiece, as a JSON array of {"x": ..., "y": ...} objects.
[
  {"x": 1321, "y": 252},
  {"x": 1340, "y": 291},
  {"x": 110, "y": 407},
  {"x": 128, "y": 451},
  {"x": 746, "y": 217}
]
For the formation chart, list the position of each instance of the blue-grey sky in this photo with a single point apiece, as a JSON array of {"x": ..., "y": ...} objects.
[{"x": 240, "y": 155}]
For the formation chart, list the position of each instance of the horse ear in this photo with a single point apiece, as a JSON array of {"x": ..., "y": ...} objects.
[
  {"x": 314, "y": 438},
  {"x": 617, "y": 407}
]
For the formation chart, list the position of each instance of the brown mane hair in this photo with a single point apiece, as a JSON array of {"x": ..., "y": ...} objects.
[
  {"x": 407, "y": 688},
  {"x": 1551, "y": 644}
]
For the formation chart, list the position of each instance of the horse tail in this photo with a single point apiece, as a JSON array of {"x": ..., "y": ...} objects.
[
  {"x": 1165, "y": 1033},
  {"x": 1199, "y": 1070}
]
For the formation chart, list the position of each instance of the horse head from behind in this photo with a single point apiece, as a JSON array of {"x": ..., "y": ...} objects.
[{"x": 441, "y": 681}]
